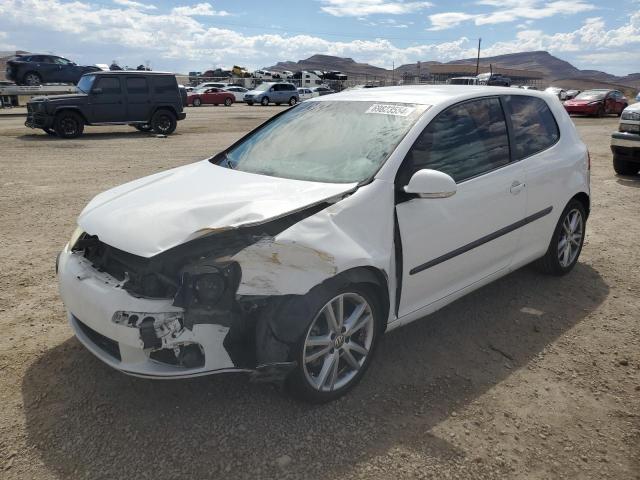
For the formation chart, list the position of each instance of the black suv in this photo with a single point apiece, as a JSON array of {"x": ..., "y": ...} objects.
[
  {"x": 145, "y": 100},
  {"x": 36, "y": 69}
]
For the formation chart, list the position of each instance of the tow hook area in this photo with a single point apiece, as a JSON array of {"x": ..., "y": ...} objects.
[{"x": 160, "y": 335}]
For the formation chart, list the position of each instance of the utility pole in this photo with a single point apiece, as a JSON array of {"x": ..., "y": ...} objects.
[{"x": 478, "y": 59}]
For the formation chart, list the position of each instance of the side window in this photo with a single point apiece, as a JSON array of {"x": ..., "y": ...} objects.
[
  {"x": 463, "y": 141},
  {"x": 137, "y": 86},
  {"x": 109, "y": 85},
  {"x": 534, "y": 126},
  {"x": 165, "y": 84}
]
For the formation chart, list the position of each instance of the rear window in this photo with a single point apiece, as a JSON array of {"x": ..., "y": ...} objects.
[
  {"x": 534, "y": 126},
  {"x": 165, "y": 84}
]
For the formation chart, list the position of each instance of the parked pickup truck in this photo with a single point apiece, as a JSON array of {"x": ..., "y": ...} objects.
[
  {"x": 625, "y": 143},
  {"x": 148, "y": 101}
]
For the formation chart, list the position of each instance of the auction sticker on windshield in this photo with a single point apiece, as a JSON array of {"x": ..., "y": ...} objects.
[{"x": 386, "y": 109}]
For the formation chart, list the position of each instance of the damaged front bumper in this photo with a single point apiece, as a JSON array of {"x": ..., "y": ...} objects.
[{"x": 138, "y": 336}]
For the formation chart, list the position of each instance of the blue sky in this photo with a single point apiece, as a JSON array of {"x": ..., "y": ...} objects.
[{"x": 196, "y": 35}]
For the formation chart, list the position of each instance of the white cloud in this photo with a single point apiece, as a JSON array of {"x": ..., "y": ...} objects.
[
  {"x": 199, "y": 9},
  {"x": 99, "y": 34},
  {"x": 509, "y": 11},
  {"x": 362, "y": 8},
  {"x": 133, "y": 4}
]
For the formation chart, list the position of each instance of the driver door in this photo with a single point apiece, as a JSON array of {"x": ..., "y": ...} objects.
[
  {"x": 451, "y": 243},
  {"x": 106, "y": 100}
]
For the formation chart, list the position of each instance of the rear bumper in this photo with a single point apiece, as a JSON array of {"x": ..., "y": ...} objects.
[
  {"x": 626, "y": 146},
  {"x": 92, "y": 298}
]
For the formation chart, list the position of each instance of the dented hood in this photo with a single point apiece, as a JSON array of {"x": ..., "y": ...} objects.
[{"x": 150, "y": 215}]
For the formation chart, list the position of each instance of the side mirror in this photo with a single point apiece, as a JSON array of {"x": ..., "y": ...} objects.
[
  {"x": 96, "y": 91},
  {"x": 272, "y": 89},
  {"x": 428, "y": 183}
]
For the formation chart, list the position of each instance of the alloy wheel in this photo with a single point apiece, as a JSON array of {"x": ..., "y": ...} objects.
[
  {"x": 69, "y": 126},
  {"x": 338, "y": 342},
  {"x": 164, "y": 123},
  {"x": 570, "y": 238}
]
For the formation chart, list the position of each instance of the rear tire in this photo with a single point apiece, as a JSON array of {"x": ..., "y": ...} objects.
[
  {"x": 32, "y": 79},
  {"x": 197, "y": 102},
  {"x": 265, "y": 101},
  {"x": 315, "y": 380},
  {"x": 624, "y": 167},
  {"x": 68, "y": 124},
  {"x": 164, "y": 122},
  {"x": 227, "y": 102},
  {"x": 566, "y": 242},
  {"x": 292, "y": 101}
]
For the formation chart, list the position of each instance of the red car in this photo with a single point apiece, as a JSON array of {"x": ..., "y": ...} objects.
[
  {"x": 211, "y": 96},
  {"x": 598, "y": 102}
]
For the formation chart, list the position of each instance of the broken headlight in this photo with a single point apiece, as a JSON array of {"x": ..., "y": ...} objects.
[
  {"x": 75, "y": 236},
  {"x": 209, "y": 288}
]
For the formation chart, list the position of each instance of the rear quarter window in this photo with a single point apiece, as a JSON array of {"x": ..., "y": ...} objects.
[
  {"x": 534, "y": 126},
  {"x": 165, "y": 84}
]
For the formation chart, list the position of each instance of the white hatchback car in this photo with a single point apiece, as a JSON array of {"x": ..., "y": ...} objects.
[
  {"x": 292, "y": 251},
  {"x": 238, "y": 92}
]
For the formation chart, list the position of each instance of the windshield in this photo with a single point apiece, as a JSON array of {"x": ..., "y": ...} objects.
[
  {"x": 593, "y": 95},
  {"x": 263, "y": 87},
  {"x": 332, "y": 142},
  {"x": 84, "y": 85}
]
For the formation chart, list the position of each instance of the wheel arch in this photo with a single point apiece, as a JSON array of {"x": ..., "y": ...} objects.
[
  {"x": 77, "y": 110},
  {"x": 585, "y": 200},
  {"x": 171, "y": 108},
  {"x": 378, "y": 280}
]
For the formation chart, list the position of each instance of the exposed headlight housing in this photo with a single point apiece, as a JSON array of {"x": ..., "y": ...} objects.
[
  {"x": 75, "y": 236},
  {"x": 209, "y": 288}
]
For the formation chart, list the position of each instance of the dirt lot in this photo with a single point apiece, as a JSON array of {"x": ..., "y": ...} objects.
[{"x": 530, "y": 377}]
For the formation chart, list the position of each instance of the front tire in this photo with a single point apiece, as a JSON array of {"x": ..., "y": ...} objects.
[
  {"x": 265, "y": 101},
  {"x": 197, "y": 102},
  {"x": 292, "y": 101},
  {"x": 68, "y": 125},
  {"x": 164, "y": 122},
  {"x": 624, "y": 167},
  {"x": 338, "y": 345},
  {"x": 566, "y": 242}
]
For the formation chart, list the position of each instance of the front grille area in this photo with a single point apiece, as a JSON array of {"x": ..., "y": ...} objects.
[
  {"x": 107, "y": 345},
  {"x": 143, "y": 276}
]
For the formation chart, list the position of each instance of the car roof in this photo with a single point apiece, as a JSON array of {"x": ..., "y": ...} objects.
[{"x": 426, "y": 94}]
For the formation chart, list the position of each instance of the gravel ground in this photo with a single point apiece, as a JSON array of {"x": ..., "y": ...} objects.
[{"x": 530, "y": 377}]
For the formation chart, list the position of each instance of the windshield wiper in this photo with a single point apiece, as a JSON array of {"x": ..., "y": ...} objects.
[{"x": 228, "y": 162}]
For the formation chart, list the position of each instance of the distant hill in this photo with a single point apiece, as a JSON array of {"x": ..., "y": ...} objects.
[
  {"x": 553, "y": 68},
  {"x": 328, "y": 62}
]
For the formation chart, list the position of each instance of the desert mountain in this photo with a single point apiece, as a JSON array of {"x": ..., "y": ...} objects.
[{"x": 553, "y": 68}]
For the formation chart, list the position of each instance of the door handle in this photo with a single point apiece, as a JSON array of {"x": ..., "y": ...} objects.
[{"x": 516, "y": 187}]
